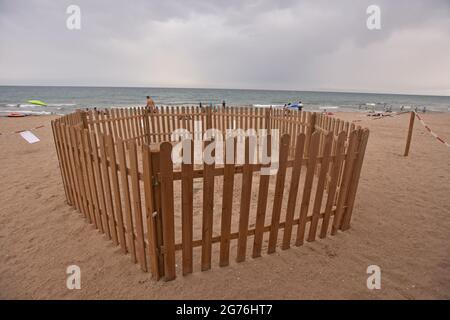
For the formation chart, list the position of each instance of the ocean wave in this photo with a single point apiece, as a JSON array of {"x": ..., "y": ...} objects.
[
  {"x": 27, "y": 105},
  {"x": 61, "y": 104}
]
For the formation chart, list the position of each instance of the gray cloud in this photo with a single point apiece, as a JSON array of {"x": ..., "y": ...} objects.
[{"x": 303, "y": 45}]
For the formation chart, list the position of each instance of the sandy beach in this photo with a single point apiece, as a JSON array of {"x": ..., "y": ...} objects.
[{"x": 401, "y": 223}]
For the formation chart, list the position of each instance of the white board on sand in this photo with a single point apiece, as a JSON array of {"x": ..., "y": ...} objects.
[{"x": 29, "y": 136}]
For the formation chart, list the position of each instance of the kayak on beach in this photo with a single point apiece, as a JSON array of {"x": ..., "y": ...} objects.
[{"x": 16, "y": 115}]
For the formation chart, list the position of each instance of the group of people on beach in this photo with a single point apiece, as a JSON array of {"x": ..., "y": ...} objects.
[
  {"x": 152, "y": 107},
  {"x": 387, "y": 108}
]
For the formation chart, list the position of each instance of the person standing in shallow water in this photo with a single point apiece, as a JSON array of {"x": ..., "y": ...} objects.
[{"x": 150, "y": 104}]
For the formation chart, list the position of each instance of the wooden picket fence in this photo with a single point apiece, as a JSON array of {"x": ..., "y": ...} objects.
[{"x": 117, "y": 170}]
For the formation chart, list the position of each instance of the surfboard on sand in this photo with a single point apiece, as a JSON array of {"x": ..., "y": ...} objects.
[{"x": 37, "y": 102}]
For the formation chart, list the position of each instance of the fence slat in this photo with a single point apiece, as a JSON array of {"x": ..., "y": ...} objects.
[
  {"x": 138, "y": 126},
  {"x": 134, "y": 124},
  {"x": 66, "y": 158},
  {"x": 93, "y": 188},
  {"x": 153, "y": 126},
  {"x": 113, "y": 120},
  {"x": 119, "y": 123},
  {"x": 107, "y": 189},
  {"x": 327, "y": 143},
  {"x": 208, "y": 207},
  {"x": 126, "y": 194},
  {"x": 345, "y": 181},
  {"x": 247, "y": 176},
  {"x": 136, "y": 196},
  {"x": 116, "y": 191},
  {"x": 87, "y": 188},
  {"x": 312, "y": 152},
  {"x": 264, "y": 180},
  {"x": 227, "y": 204},
  {"x": 157, "y": 116},
  {"x": 76, "y": 150},
  {"x": 72, "y": 150},
  {"x": 355, "y": 179},
  {"x": 293, "y": 190},
  {"x": 69, "y": 162},
  {"x": 279, "y": 190},
  {"x": 61, "y": 162},
  {"x": 187, "y": 193},
  {"x": 335, "y": 169},
  {"x": 125, "y": 126},
  {"x": 167, "y": 210},
  {"x": 128, "y": 124},
  {"x": 98, "y": 178}
]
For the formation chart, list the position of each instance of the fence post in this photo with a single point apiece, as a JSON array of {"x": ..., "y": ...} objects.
[
  {"x": 410, "y": 132},
  {"x": 156, "y": 197},
  {"x": 151, "y": 213},
  {"x": 167, "y": 206}
]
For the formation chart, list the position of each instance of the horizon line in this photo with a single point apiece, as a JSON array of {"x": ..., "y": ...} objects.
[{"x": 237, "y": 89}]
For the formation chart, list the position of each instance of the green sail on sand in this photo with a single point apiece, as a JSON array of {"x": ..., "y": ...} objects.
[{"x": 37, "y": 102}]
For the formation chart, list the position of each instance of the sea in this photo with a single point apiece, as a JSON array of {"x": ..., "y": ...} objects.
[{"x": 63, "y": 100}]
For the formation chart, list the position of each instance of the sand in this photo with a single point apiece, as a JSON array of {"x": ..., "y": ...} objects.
[{"x": 401, "y": 223}]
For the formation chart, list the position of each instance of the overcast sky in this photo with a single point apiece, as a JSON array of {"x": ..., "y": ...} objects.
[{"x": 261, "y": 44}]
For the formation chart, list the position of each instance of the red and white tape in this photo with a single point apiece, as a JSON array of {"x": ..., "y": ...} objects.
[
  {"x": 19, "y": 131},
  {"x": 431, "y": 132}
]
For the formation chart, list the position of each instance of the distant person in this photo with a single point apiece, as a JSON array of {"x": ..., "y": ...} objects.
[
  {"x": 150, "y": 104},
  {"x": 300, "y": 106},
  {"x": 424, "y": 109},
  {"x": 402, "y": 108},
  {"x": 223, "y": 104}
]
